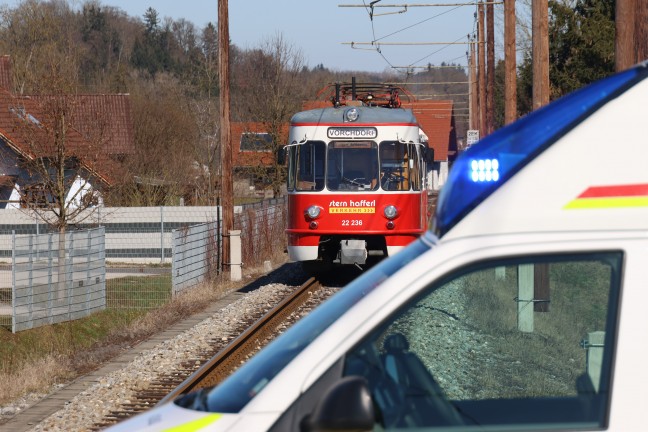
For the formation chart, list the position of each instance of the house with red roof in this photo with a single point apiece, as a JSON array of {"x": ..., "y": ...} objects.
[
  {"x": 251, "y": 154},
  {"x": 436, "y": 119},
  {"x": 100, "y": 138}
]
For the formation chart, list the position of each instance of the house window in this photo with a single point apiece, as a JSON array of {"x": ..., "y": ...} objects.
[{"x": 256, "y": 142}]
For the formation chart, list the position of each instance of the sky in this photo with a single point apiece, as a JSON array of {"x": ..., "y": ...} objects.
[{"x": 323, "y": 30}]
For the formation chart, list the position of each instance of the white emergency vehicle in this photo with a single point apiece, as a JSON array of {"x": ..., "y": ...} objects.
[{"x": 524, "y": 310}]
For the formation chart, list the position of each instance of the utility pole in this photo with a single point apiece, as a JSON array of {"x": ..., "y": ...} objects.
[
  {"x": 641, "y": 31},
  {"x": 490, "y": 54},
  {"x": 510, "y": 62},
  {"x": 624, "y": 56},
  {"x": 482, "y": 71},
  {"x": 631, "y": 43},
  {"x": 474, "y": 101},
  {"x": 540, "y": 39},
  {"x": 227, "y": 189}
]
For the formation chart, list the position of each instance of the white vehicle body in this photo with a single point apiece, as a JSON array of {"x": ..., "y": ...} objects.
[{"x": 573, "y": 206}]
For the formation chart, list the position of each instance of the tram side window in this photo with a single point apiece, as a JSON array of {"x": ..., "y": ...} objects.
[
  {"x": 395, "y": 166},
  {"x": 415, "y": 166},
  {"x": 486, "y": 348},
  {"x": 309, "y": 166}
]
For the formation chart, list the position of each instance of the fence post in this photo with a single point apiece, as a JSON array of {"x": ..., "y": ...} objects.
[
  {"x": 162, "y": 234},
  {"x": 174, "y": 263},
  {"x": 236, "y": 263},
  {"x": 69, "y": 271},
  {"x": 13, "y": 281},
  {"x": 87, "y": 282}
]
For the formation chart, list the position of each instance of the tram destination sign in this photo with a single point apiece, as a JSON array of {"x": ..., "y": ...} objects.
[{"x": 352, "y": 132}]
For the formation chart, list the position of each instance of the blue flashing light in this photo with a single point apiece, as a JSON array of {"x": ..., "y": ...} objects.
[
  {"x": 484, "y": 170},
  {"x": 509, "y": 149}
]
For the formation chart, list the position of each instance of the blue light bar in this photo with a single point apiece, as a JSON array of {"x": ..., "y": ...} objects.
[
  {"x": 484, "y": 170},
  {"x": 514, "y": 146}
]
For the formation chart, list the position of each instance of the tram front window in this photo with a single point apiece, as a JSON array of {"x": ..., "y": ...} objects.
[
  {"x": 397, "y": 168},
  {"x": 306, "y": 166},
  {"x": 352, "y": 166}
]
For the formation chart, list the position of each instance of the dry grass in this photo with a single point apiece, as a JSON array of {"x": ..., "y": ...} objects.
[{"x": 33, "y": 361}]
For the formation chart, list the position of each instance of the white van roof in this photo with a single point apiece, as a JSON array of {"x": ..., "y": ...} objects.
[{"x": 577, "y": 164}]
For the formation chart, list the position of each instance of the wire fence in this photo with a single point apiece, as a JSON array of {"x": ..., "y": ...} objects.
[
  {"x": 136, "y": 264},
  {"x": 196, "y": 255},
  {"x": 49, "y": 287},
  {"x": 262, "y": 231}
]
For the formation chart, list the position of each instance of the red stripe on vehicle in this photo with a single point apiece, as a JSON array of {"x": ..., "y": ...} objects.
[{"x": 615, "y": 191}]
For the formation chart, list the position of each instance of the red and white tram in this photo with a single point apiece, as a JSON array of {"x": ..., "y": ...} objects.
[{"x": 356, "y": 178}]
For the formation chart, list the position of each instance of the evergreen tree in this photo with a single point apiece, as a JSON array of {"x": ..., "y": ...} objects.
[{"x": 581, "y": 49}]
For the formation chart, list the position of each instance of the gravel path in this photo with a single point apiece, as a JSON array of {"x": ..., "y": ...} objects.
[{"x": 90, "y": 406}]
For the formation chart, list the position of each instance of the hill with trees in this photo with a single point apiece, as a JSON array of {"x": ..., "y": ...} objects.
[{"x": 169, "y": 69}]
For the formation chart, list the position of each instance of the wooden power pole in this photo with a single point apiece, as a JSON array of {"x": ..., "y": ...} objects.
[
  {"x": 227, "y": 189},
  {"x": 631, "y": 43},
  {"x": 624, "y": 41},
  {"x": 474, "y": 96},
  {"x": 641, "y": 30},
  {"x": 540, "y": 39},
  {"x": 481, "y": 74},
  {"x": 490, "y": 55},
  {"x": 510, "y": 62}
]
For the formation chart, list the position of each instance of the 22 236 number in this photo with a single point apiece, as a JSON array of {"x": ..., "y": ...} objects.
[{"x": 352, "y": 222}]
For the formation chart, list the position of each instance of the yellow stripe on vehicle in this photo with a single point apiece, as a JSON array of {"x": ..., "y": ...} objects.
[
  {"x": 195, "y": 425},
  {"x": 599, "y": 203}
]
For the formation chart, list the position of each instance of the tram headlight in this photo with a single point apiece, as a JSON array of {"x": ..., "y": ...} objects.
[
  {"x": 352, "y": 114},
  {"x": 313, "y": 212},
  {"x": 390, "y": 212}
]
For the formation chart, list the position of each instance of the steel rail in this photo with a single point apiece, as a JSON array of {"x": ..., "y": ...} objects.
[{"x": 228, "y": 359}]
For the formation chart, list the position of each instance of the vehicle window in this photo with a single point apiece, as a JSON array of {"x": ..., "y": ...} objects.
[
  {"x": 352, "y": 166},
  {"x": 307, "y": 161},
  {"x": 395, "y": 165},
  {"x": 521, "y": 345}
]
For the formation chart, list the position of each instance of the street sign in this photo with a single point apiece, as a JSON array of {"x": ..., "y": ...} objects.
[{"x": 472, "y": 136}]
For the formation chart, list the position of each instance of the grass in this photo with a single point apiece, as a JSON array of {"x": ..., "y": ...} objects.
[
  {"x": 138, "y": 292},
  {"x": 548, "y": 360},
  {"x": 32, "y": 361}
]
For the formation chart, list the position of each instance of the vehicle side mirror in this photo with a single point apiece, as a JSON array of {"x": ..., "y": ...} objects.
[
  {"x": 345, "y": 406},
  {"x": 281, "y": 155},
  {"x": 429, "y": 156}
]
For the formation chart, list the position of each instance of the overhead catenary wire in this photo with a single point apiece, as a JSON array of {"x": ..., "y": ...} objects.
[
  {"x": 379, "y": 44},
  {"x": 409, "y": 5},
  {"x": 376, "y": 40}
]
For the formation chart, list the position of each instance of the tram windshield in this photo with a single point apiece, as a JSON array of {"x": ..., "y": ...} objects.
[
  {"x": 352, "y": 166},
  {"x": 355, "y": 166}
]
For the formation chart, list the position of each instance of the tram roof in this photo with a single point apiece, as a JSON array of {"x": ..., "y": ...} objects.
[{"x": 367, "y": 115}]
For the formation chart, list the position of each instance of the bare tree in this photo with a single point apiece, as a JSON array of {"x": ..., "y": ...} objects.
[
  {"x": 56, "y": 167},
  {"x": 269, "y": 91},
  {"x": 163, "y": 167}
]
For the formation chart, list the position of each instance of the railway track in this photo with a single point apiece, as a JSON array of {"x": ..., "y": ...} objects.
[{"x": 200, "y": 373}]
